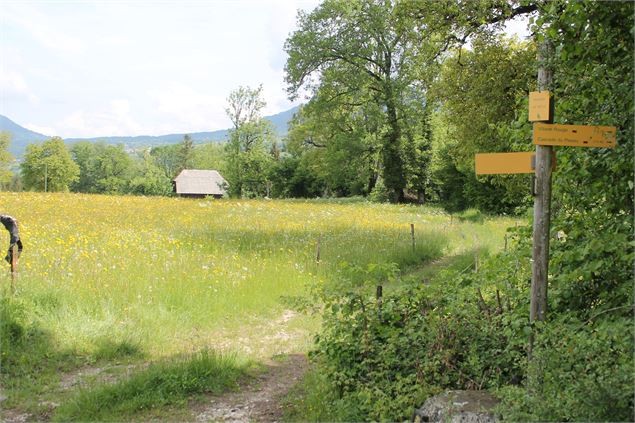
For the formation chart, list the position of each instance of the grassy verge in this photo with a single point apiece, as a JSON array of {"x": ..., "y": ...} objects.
[
  {"x": 168, "y": 383},
  {"x": 313, "y": 399}
]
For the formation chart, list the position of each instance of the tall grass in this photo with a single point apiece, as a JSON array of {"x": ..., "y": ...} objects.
[
  {"x": 120, "y": 278},
  {"x": 165, "y": 383}
]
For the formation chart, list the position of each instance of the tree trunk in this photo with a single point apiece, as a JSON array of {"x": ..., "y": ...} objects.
[{"x": 394, "y": 177}]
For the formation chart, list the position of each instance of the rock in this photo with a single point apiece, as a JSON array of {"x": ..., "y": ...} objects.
[{"x": 458, "y": 407}]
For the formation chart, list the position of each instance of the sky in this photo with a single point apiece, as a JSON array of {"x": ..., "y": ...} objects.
[{"x": 139, "y": 67}]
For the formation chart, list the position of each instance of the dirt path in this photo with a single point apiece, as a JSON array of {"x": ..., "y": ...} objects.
[{"x": 260, "y": 399}]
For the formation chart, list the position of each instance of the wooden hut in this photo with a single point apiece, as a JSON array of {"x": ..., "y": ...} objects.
[{"x": 195, "y": 183}]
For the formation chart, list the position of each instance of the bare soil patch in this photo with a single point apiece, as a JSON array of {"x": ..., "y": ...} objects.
[{"x": 258, "y": 400}]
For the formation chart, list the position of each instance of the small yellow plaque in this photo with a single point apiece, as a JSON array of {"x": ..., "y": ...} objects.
[
  {"x": 539, "y": 106},
  {"x": 575, "y": 135}
]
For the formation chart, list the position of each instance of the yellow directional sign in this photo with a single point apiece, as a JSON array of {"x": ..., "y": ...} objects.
[
  {"x": 500, "y": 163},
  {"x": 574, "y": 135},
  {"x": 539, "y": 106}
]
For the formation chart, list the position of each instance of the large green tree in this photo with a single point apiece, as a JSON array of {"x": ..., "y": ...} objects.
[
  {"x": 149, "y": 178},
  {"x": 338, "y": 141},
  {"x": 480, "y": 97},
  {"x": 167, "y": 158},
  {"x": 48, "y": 166},
  {"x": 103, "y": 168},
  {"x": 247, "y": 158},
  {"x": 361, "y": 46}
]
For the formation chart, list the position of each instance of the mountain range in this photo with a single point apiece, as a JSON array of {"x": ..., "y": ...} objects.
[{"x": 21, "y": 137}]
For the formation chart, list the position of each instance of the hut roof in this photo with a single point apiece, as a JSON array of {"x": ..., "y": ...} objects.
[{"x": 193, "y": 181}]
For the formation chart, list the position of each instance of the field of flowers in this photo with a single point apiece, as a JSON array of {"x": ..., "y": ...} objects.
[{"x": 176, "y": 275}]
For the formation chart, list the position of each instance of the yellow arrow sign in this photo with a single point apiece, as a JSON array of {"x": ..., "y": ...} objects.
[
  {"x": 504, "y": 163},
  {"x": 574, "y": 135}
]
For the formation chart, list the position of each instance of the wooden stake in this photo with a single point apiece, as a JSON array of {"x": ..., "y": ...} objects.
[
  {"x": 475, "y": 255},
  {"x": 14, "y": 267},
  {"x": 412, "y": 234},
  {"x": 542, "y": 207},
  {"x": 317, "y": 249}
]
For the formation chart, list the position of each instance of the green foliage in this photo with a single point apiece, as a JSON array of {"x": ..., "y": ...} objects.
[
  {"x": 150, "y": 179},
  {"x": 247, "y": 159},
  {"x": 379, "y": 194},
  {"x": 468, "y": 330},
  {"x": 384, "y": 356},
  {"x": 337, "y": 144},
  {"x": 48, "y": 166},
  {"x": 6, "y": 159},
  {"x": 165, "y": 383},
  {"x": 293, "y": 177},
  {"x": 584, "y": 373},
  {"x": 103, "y": 168},
  {"x": 471, "y": 215},
  {"x": 315, "y": 400},
  {"x": 209, "y": 156},
  {"x": 167, "y": 159},
  {"x": 480, "y": 94},
  {"x": 361, "y": 57},
  {"x": 107, "y": 349},
  {"x": 185, "y": 157}
]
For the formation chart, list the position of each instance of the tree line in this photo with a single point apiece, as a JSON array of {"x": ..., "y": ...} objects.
[
  {"x": 397, "y": 102},
  {"x": 406, "y": 129}
]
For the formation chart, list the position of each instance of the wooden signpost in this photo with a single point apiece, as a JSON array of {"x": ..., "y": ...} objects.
[{"x": 546, "y": 134}]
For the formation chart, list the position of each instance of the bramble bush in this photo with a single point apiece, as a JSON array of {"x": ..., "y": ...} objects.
[{"x": 379, "y": 358}]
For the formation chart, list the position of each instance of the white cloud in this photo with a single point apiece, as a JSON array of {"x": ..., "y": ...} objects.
[
  {"x": 41, "y": 28},
  {"x": 187, "y": 110},
  {"x": 44, "y": 130},
  {"x": 13, "y": 87},
  {"x": 95, "y": 68},
  {"x": 114, "y": 120}
]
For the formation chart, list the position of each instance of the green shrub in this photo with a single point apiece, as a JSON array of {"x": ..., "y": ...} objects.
[
  {"x": 379, "y": 194},
  {"x": 472, "y": 215},
  {"x": 470, "y": 330},
  {"x": 581, "y": 372}
]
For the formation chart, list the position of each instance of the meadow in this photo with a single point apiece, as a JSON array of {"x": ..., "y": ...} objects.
[{"x": 121, "y": 279}]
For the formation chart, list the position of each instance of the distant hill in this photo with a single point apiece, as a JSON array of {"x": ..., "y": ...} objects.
[{"x": 21, "y": 137}]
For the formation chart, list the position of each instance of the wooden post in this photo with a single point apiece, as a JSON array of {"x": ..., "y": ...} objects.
[
  {"x": 505, "y": 242},
  {"x": 379, "y": 295},
  {"x": 412, "y": 234},
  {"x": 475, "y": 254},
  {"x": 542, "y": 206},
  {"x": 317, "y": 249},
  {"x": 14, "y": 267}
]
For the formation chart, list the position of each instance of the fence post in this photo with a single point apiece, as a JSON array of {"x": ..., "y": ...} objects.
[
  {"x": 412, "y": 234},
  {"x": 14, "y": 267}
]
